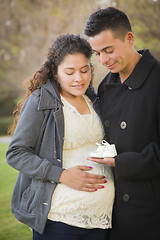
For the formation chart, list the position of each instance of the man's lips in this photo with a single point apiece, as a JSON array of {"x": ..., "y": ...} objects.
[{"x": 111, "y": 65}]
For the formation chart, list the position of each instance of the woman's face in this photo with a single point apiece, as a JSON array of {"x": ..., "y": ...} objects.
[{"x": 74, "y": 75}]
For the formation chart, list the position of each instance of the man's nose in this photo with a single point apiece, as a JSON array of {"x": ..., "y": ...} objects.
[{"x": 103, "y": 58}]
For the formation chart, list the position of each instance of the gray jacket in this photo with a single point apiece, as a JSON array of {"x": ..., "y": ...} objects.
[{"x": 36, "y": 152}]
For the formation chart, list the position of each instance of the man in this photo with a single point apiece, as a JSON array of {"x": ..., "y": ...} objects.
[{"x": 129, "y": 101}]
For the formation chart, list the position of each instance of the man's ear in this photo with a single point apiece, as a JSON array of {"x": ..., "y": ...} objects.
[{"x": 130, "y": 38}]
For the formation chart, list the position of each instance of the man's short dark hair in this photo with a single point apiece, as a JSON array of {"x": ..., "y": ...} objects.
[{"x": 108, "y": 19}]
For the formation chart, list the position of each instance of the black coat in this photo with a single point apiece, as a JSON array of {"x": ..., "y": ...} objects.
[{"x": 131, "y": 116}]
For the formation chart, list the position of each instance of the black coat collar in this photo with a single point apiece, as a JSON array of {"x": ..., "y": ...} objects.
[{"x": 137, "y": 77}]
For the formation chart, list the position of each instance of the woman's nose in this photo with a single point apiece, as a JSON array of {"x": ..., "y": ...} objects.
[{"x": 78, "y": 77}]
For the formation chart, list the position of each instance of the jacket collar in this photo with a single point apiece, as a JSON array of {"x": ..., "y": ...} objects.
[
  {"x": 91, "y": 93},
  {"x": 49, "y": 96},
  {"x": 141, "y": 70},
  {"x": 139, "y": 74}
]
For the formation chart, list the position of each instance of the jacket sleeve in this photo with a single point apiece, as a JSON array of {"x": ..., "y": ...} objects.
[
  {"x": 20, "y": 154},
  {"x": 143, "y": 165},
  {"x": 139, "y": 166}
]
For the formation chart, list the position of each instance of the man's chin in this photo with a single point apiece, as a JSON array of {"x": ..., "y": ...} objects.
[{"x": 113, "y": 70}]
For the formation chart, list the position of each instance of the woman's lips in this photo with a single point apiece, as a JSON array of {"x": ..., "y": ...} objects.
[{"x": 78, "y": 86}]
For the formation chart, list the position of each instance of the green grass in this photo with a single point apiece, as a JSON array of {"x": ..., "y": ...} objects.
[{"x": 10, "y": 228}]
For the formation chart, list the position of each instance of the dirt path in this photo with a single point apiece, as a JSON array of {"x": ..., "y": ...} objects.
[{"x": 5, "y": 139}]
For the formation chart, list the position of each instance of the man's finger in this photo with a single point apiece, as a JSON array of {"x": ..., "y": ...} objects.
[
  {"x": 98, "y": 160},
  {"x": 108, "y": 161}
]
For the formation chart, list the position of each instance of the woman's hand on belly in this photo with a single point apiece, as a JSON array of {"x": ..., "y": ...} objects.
[{"x": 77, "y": 178}]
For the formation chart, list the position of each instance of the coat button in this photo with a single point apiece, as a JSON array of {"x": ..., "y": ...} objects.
[
  {"x": 125, "y": 197},
  {"x": 130, "y": 88},
  {"x": 107, "y": 123},
  {"x": 123, "y": 125},
  {"x": 51, "y": 181}
]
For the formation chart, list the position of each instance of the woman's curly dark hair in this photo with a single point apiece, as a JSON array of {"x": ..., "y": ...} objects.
[{"x": 62, "y": 46}]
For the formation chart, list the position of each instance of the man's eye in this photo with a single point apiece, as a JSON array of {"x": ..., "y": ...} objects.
[
  {"x": 107, "y": 51},
  {"x": 97, "y": 54}
]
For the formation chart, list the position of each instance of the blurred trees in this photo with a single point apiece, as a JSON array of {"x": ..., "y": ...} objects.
[
  {"x": 28, "y": 28},
  {"x": 145, "y": 18}
]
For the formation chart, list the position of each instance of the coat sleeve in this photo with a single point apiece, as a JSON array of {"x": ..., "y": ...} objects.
[
  {"x": 20, "y": 154},
  {"x": 139, "y": 166},
  {"x": 143, "y": 165}
]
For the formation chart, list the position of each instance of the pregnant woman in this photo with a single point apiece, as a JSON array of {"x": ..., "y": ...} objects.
[{"x": 59, "y": 193}]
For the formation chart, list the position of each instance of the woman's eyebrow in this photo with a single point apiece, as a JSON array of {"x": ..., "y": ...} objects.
[
  {"x": 73, "y": 68},
  {"x": 68, "y": 68},
  {"x": 85, "y": 66}
]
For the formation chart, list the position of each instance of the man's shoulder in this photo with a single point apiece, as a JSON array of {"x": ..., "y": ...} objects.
[
  {"x": 91, "y": 93},
  {"x": 104, "y": 82},
  {"x": 148, "y": 57}
]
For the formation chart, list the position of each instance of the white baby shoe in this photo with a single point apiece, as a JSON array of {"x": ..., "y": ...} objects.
[{"x": 104, "y": 150}]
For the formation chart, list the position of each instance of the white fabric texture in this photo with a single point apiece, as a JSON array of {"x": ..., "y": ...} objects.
[{"x": 80, "y": 208}]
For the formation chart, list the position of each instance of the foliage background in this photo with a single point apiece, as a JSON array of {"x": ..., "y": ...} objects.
[{"x": 28, "y": 28}]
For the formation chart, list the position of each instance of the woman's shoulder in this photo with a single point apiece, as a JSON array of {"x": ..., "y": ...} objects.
[
  {"x": 36, "y": 93},
  {"x": 45, "y": 97}
]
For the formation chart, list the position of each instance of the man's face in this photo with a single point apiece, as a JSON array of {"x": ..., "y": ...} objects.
[{"x": 112, "y": 52}]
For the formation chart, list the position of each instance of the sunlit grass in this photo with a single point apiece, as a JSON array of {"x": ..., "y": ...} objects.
[{"x": 10, "y": 228}]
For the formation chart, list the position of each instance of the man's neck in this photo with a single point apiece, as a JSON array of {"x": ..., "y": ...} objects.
[{"x": 133, "y": 61}]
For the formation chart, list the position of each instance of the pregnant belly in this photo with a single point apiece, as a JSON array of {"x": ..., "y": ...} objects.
[{"x": 66, "y": 196}]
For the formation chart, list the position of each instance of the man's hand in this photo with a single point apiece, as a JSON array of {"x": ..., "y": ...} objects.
[{"x": 108, "y": 161}]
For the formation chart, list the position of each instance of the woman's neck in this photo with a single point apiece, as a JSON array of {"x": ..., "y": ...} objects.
[{"x": 78, "y": 102}]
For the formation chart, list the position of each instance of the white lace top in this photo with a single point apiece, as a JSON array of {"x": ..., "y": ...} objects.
[{"x": 80, "y": 208}]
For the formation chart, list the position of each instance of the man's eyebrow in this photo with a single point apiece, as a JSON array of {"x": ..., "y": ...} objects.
[{"x": 105, "y": 48}]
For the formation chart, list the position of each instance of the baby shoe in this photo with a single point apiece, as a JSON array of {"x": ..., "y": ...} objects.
[
  {"x": 110, "y": 150},
  {"x": 104, "y": 150},
  {"x": 99, "y": 151}
]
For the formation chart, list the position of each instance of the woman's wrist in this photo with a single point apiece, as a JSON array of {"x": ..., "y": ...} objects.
[{"x": 62, "y": 176}]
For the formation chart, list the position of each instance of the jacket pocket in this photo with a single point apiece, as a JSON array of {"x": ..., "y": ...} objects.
[{"x": 29, "y": 200}]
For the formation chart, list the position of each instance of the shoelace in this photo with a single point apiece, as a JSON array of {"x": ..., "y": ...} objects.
[
  {"x": 100, "y": 145},
  {"x": 105, "y": 143}
]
